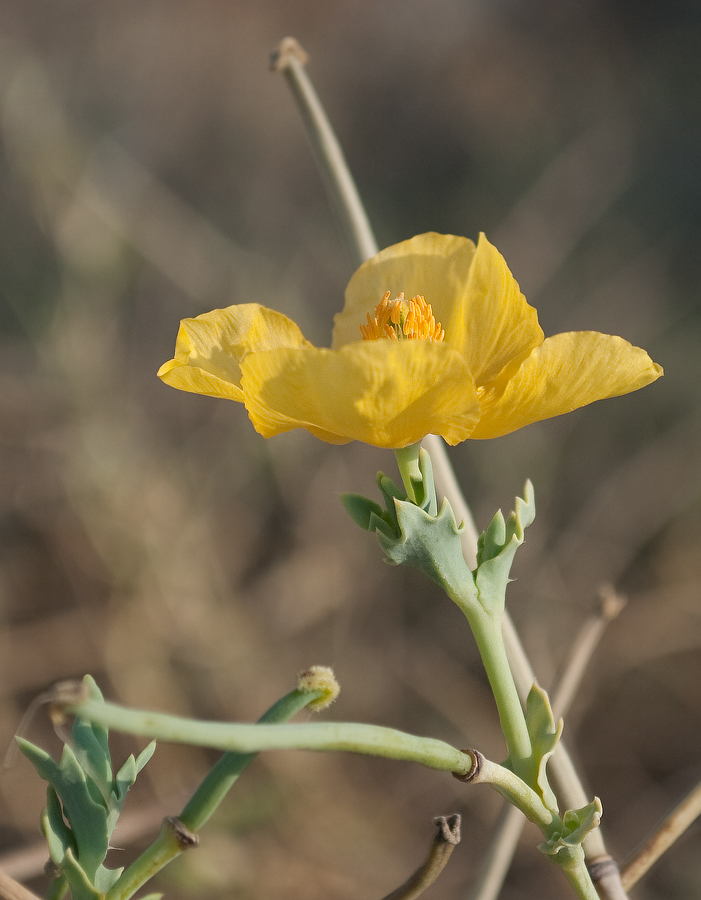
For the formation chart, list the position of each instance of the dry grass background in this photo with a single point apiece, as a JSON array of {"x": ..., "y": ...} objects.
[{"x": 151, "y": 168}]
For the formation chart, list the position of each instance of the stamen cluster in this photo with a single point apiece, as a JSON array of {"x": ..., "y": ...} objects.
[{"x": 401, "y": 319}]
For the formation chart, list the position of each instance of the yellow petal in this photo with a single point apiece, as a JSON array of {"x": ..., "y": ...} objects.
[
  {"x": 492, "y": 323},
  {"x": 567, "y": 371},
  {"x": 385, "y": 393},
  {"x": 434, "y": 266},
  {"x": 209, "y": 348}
]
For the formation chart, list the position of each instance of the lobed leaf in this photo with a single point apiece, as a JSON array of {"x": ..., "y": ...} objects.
[{"x": 545, "y": 735}]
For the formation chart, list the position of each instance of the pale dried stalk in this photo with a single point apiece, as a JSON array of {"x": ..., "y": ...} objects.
[
  {"x": 610, "y": 606},
  {"x": 13, "y": 890},
  {"x": 667, "y": 832}
]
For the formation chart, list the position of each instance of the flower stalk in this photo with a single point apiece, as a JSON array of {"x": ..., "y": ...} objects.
[
  {"x": 354, "y": 217},
  {"x": 350, "y": 737}
]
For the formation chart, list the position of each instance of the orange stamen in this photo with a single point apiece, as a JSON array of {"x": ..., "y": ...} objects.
[{"x": 401, "y": 319}]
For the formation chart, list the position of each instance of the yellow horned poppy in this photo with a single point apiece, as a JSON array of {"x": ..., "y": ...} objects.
[{"x": 435, "y": 337}]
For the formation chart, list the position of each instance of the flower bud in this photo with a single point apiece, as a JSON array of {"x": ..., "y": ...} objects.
[{"x": 319, "y": 678}]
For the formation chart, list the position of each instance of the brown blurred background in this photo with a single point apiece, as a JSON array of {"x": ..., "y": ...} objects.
[{"x": 151, "y": 168}]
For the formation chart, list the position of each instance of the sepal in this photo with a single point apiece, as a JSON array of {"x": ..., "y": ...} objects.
[
  {"x": 364, "y": 511},
  {"x": 370, "y": 516}
]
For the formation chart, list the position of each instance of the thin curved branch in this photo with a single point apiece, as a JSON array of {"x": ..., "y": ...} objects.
[
  {"x": 666, "y": 833},
  {"x": 445, "y": 841}
]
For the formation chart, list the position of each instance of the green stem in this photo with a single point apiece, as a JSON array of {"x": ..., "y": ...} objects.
[
  {"x": 218, "y": 781},
  {"x": 524, "y": 798},
  {"x": 162, "y": 851},
  {"x": 350, "y": 737},
  {"x": 509, "y": 827},
  {"x": 490, "y": 643},
  {"x": 345, "y": 199},
  {"x": 408, "y": 463},
  {"x": 223, "y": 775},
  {"x": 579, "y": 878},
  {"x": 516, "y": 791}
]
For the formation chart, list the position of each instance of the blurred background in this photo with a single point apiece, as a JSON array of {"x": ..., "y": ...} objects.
[{"x": 152, "y": 168}]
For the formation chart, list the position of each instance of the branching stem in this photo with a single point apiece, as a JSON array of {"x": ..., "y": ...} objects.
[
  {"x": 510, "y": 824},
  {"x": 180, "y": 834}
]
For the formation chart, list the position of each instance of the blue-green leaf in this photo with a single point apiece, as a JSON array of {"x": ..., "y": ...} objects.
[
  {"x": 58, "y": 835},
  {"x": 81, "y": 886},
  {"x": 544, "y": 734},
  {"x": 496, "y": 551},
  {"x": 145, "y": 756},
  {"x": 90, "y": 746},
  {"x": 84, "y": 803},
  {"x": 433, "y": 545}
]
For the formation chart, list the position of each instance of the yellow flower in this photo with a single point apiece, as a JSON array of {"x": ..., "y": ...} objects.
[{"x": 465, "y": 357}]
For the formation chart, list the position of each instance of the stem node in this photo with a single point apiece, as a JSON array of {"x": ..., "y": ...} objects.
[
  {"x": 184, "y": 838},
  {"x": 477, "y": 762}
]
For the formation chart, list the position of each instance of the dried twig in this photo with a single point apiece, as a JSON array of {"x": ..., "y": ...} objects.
[
  {"x": 290, "y": 59},
  {"x": 666, "y": 833},
  {"x": 583, "y": 648},
  {"x": 500, "y": 853},
  {"x": 445, "y": 841},
  {"x": 13, "y": 890}
]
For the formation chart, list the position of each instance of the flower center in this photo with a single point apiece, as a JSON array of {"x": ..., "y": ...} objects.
[{"x": 401, "y": 319}]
